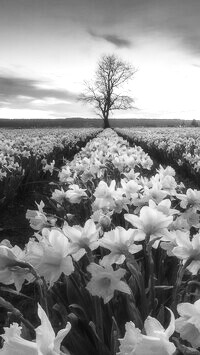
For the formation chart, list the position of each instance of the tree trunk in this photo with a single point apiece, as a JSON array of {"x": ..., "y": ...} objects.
[{"x": 106, "y": 122}]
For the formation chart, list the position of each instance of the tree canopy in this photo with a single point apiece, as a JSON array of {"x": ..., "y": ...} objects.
[{"x": 104, "y": 93}]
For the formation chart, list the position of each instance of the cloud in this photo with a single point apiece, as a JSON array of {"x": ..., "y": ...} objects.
[
  {"x": 18, "y": 90},
  {"x": 196, "y": 65},
  {"x": 177, "y": 20},
  {"x": 111, "y": 38}
]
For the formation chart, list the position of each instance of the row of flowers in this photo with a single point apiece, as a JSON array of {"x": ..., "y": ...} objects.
[
  {"x": 176, "y": 145},
  {"x": 115, "y": 256},
  {"x": 25, "y": 153}
]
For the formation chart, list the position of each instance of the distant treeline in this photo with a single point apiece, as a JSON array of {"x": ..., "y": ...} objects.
[{"x": 77, "y": 122}]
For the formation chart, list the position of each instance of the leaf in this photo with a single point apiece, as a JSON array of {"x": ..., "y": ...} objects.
[
  {"x": 101, "y": 346},
  {"x": 161, "y": 314},
  {"x": 77, "y": 307},
  {"x": 115, "y": 334},
  {"x": 14, "y": 292},
  {"x": 2, "y": 200},
  {"x": 135, "y": 272},
  {"x": 164, "y": 287},
  {"x": 93, "y": 327},
  {"x": 62, "y": 311}
]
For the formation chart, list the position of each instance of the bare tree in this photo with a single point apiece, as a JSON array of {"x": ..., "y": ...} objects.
[{"x": 105, "y": 92}]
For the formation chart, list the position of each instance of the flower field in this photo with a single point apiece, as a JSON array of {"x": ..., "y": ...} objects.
[
  {"x": 25, "y": 154},
  {"x": 112, "y": 267},
  {"x": 179, "y": 147}
]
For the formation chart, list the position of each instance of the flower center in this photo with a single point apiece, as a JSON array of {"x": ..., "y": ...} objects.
[{"x": 104, "y": 282}]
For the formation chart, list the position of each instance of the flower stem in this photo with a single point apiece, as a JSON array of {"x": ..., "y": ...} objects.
[
  {"x": 151, "y": 277},
  {"x": 41, "y": 282},
  {"x": 99, "y": 323},
  {"x": 136, "y": 274},
  {"x": 16, "y": 313},
  {"x": 178, "y": 283}
]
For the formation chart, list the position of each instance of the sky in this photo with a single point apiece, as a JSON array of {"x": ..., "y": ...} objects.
[{"x": 50, "y": 47}]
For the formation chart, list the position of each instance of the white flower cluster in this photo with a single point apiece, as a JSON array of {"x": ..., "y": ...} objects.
[
  {"x": 176, "y": 144},
  {"x": 114, "y": 220},
  {"x": 19, "y": 146}
]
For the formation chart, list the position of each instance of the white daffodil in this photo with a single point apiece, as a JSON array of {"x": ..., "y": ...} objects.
[
  {"x": 131, "y": 175},
  {"x": 105, "y": 195},
  {"x": 168, "y": 242},
  {"x": 75, "y": 194},
  {"x": 46, "y": 342},
  {"x": 151, "y": 223},
  {"x": 169, "y": 184},
  {"x": 188, "y": 324},
  {"x": 38, "y": 218},
  {"x": 190, "y": 200},
  {"x": 14, "y": 344},
  {"x": 120, "y": 242},
  {"x": 155, "y": 192},
  {"x": 102, "y": 218},
  {"x": 164, "y": 206},
  {"x": 192, "y": 217},
  {"x": 168, "y": 171},
  {"x": 155, "y": 342},
  {"x": 65, "y": 175},
  {"x": 166, "y": 182},
  {"x": 82, "y": 238},
  {"x": 188, "y": 249},
  {"x": 59, "y": 195},
  {"x": 11, "y": 270},
  {"x": 130, "y": 188},
  {"x": 105, "y": 281},
  {"x": 50, "y": 256},
  {"x": 180, "y": 223}
]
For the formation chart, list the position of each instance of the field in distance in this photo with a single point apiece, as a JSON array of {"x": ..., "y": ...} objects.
[{"x": 78, "y": 122}]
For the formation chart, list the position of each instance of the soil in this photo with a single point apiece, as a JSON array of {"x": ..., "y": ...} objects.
[{"x": 14, "y": 225}]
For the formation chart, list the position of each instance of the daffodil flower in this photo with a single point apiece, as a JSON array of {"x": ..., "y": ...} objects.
[
  {"x": 155, "y": 192},
  {"x": 151, "y": 223},
  {"x": 38, "y": 219},
  {"x": 154, "y": 342},
  {"x": 11, "y": 270},
  {"x": 75, "y": 194},
  {"x": 105, "y": 281},
  {"x": 65, "y": 175},
  {"x": 190, "y": 200},
  {"x": 187, "y": 249},
  {"x": 166, "y": 171},
  {"x": 105, "y": 195},
  {"x": 120, "y": 242},
  {"x": 168, "y": 242},
  {"x": 59, "y": 195},
  {"x": 46, "y": 342},
  {"x": 164, "y": 206},
  {"x": 50, "y": 256},
  {"x": 188, "y": 324},
  {"x": 130, "y": 188},
  {"x": 81, "y": 239}
]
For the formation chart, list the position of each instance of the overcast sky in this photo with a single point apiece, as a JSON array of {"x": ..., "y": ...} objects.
[{"x": 49, "y": 47}]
